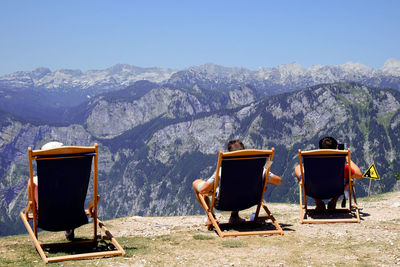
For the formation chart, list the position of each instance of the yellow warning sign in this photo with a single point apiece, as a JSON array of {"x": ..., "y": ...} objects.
[{"x": 371, "y": 173}]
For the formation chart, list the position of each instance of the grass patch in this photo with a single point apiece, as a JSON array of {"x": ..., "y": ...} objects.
[
  {"x": 165, "y": 238},
  {"x": 135, "y": 245},
  {"x": 203, "y": 237},
  {"x": 233, "y": 244},
  {"x": 170, "y": 239},
  {"x": 375, "y": 198}
]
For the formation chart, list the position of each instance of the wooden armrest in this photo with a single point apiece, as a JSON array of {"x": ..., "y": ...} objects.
[{"x": 90, "y": 211}]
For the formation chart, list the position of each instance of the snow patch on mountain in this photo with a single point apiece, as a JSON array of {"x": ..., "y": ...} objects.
[
  {"x": 116, "y": 77},
  {"x": 391, "y": 67},
  {"x": 282, "y": 78}
]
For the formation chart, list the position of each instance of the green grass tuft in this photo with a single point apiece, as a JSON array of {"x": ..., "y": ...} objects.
[
  {"x": 233, "y": 244},
  {"x": 203, "y": 237}
]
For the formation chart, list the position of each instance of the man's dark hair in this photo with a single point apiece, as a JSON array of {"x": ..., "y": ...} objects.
[
  {"x": 234, "y": 145},
  {"x": 328, "y": 143}
]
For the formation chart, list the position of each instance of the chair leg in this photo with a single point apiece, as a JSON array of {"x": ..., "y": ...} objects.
[
  {"x": 210, "y": 216},
  {"x": 33, "y": 238},
  {"x": 302, "y": 207},
  {"x": 355, "y": 206},
  {"x": 39, "y": 248},
  {"x": 272, "y": 218},
  {"x": 111, "y": 237}
]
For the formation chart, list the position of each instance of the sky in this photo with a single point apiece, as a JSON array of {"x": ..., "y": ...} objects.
[{"x": 98, "y": 34}]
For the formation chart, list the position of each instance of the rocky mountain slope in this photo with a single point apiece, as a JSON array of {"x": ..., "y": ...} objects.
[
  {"x": 156, "y": 139},
  {"x": 291, "y": 76},
  {"x": 32, "y": 93},
  {"x": 113, "y": 78},
  {"x": 286, "y": 78}
]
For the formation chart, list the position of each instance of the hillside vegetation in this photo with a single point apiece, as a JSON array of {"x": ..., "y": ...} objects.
[{"x": 185, "y": 241}]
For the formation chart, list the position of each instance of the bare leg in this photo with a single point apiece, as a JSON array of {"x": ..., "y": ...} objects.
[
  {"x": 332, "y": 203},
  {"x": 70, "y": 235},
  {"x": 235, "y": 218},
  {"x": 235, "y": 214},
  {"x": 195, "y": 185},
  {"x": 320, "y": 205},
  {"x": 34, "y": 196},
  {"x": 201, "y": 185}
]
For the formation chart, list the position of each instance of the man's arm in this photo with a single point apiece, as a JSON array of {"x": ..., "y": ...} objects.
[
  {"x": 357, "y": 172},
  {"x": 273, "y": 179},
  {"x": 297, "y": 171}
]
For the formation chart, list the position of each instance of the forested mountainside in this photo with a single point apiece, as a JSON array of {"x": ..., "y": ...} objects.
[{"x": 154, "y": 140}]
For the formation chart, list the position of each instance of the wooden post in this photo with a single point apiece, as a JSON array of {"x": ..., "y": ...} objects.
[{"x": 369, "y": 187}]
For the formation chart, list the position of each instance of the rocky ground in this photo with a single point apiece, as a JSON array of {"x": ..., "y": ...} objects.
[
  {"x": 373, "y": 242},
  {"x": 372, "y": 213},
  {"x": 185, "y": 241}
]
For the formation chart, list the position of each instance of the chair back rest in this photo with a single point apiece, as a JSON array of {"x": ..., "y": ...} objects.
[
  {"x": 324, "y": 174},
  {"x": 241, "y": 184},
  {"x": 63, "y": 181}
]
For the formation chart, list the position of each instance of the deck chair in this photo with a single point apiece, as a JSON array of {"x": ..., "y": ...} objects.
[
  {"x": 323, "y": 178},
  {"x": 241, "y": 186},
  {"x": 63, "y": 179}
]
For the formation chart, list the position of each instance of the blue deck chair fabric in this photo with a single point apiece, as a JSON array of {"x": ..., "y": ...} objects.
[
  {"x": 324, "y": 175},
  {"x": 63, "y": 180},
  {"x": 62, "y": 189},
  {"x": 323, "y": 178},
  {"x": 241, "y": 184}
]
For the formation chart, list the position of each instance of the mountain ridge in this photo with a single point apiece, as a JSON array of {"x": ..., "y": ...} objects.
[
  {"x": 122, "y": 75},
  {"x": 25, "y": 93}
]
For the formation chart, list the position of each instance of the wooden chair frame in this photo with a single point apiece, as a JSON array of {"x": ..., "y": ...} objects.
[
  {"x": 352, "y": 207},
  {"x": 209, "y": 210},
  {"x": 31, "y": 211}
]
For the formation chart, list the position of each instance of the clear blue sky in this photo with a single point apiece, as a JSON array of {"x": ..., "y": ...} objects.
[{"x": 88, "y": 34}]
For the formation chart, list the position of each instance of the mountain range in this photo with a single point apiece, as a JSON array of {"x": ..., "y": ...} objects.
[
  {"x": 42, "y": 89},
  {"x": 157, "y": 136},
  {"x": 292, "y": 76}
]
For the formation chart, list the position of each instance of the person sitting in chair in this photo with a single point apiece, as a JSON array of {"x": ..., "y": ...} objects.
[
  {"x": 331, "y": 143},
  {"x": 205, "y": 187},
  {"x": 69, "y": 234}
]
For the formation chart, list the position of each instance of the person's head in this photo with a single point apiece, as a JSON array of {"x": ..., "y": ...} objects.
[
  {"x": 328, "y": 143},
  {"x": 234, "y": 145},
  {"x": 51, "y": 145}
]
